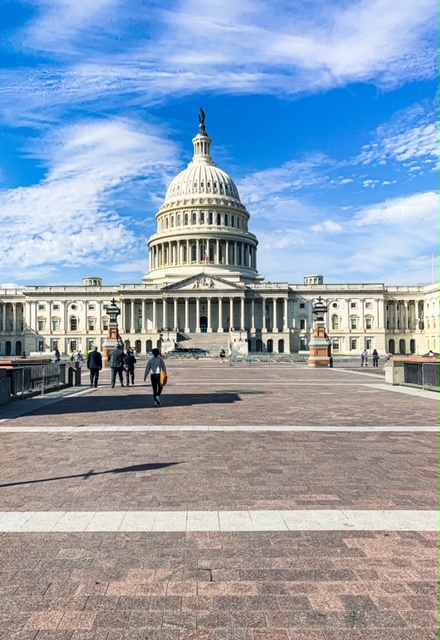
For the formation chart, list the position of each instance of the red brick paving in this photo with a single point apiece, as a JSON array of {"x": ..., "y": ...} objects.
[{"x": 223, "y": 586}]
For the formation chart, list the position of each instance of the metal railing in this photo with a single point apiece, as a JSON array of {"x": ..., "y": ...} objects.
[
  {"x": 422, "y": 374},
  {"x": 43, "y": 377}
]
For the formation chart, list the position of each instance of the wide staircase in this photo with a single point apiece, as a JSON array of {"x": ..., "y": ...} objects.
[{"x": 210, "y": 342}]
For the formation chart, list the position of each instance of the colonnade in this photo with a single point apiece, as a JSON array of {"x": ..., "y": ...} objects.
[
  {"x": 205, "y": 313},
  {"x": 11, "y": 317},
  {"x": 200, "y": 251}
]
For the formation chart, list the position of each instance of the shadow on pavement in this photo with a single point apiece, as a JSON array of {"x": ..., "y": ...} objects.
[
  {"x": 134, "y": 469},
  {"x": 94, "y": 403}
]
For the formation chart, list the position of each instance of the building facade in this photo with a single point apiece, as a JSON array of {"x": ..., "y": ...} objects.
[{"x": 203, "y": 289}]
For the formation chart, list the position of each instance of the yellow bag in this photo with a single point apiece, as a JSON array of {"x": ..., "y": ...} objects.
[{"x": 163, "y": 378}]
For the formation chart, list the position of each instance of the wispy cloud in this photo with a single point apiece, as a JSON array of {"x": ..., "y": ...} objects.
[{"x": 71, "y": 217}]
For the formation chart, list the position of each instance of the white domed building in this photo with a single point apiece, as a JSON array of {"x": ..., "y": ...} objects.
[{"x": 203, "y": 290}]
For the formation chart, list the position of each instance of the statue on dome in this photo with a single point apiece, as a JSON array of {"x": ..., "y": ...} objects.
[{"x": 202, "y": 117}]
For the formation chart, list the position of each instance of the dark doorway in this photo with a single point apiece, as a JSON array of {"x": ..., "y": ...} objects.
[{"x": 203, "y": 324}]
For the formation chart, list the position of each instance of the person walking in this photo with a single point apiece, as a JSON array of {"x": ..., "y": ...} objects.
[
  {"x": 364, "y": 358},
  {"x": 94, "y": 365},
  {"x": 375, "y": 358},
  {"x": 57, "y": 355},
  {"x": 130, "y": 361},
  {"x": 155, "y": 366},
  {"x": 116, "y": 362}
]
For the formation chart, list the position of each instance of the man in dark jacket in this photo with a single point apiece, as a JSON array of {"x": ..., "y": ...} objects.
[
  {"x": 94, "y": 364},
  {"x": 130, "y": 361},
  {"x": 116, "y": 362}
]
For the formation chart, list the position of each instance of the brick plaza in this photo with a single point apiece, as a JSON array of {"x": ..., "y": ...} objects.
[{"x": 265, "y": 502}]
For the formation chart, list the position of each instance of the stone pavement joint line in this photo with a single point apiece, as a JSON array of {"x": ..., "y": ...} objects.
[
  {"x": 233, "y": 521},
  {"x": 293, "y": 428}
]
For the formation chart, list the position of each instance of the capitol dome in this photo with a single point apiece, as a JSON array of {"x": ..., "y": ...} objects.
[{"x": 202, "y": 224}]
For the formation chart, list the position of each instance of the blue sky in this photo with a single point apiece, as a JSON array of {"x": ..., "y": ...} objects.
[{"x": 324, "y": 114}]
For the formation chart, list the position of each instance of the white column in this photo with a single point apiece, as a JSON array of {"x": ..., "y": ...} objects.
[
  {"x": 197, "y": 315},
  {"x": 154, "y": 318},
  {"x": 217, "y": 252},
  {"x": 220, "y": 315},
  {"x": 4, "y": 316},
  {"x": 242, "y": 323},
  {"x": 286, "y": 315},
  {"x": 395, "y": 314},
  {"x": 209, "y": 327},
  {"x": 14, "y": 317},
  {"x": 253, "y": 314},
  {"x": 361, "y": 314},
  {"x": 227, "y": 252},
  {"x": 264, "y": 319},
  {"x": 164, "y": 314},
  {"x": 187, "y": 329},
  {"x": 132, "y": 326},
  {"x": 175, "y": 313},
  {"x": 144, "y": 316},
  {"x": 231, "y": 313},
  {"x": 405, "y": 315},
  {"x": 275, "y": 315}
]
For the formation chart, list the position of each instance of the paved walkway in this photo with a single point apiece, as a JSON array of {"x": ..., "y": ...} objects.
[{"x": 257, "y": 503}]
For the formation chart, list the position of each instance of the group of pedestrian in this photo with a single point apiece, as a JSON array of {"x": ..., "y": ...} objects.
[
  {"x": 374, "y": 355},
  {"x": 120, "y": 363}
]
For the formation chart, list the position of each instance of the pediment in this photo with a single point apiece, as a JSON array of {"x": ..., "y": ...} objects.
[{"x": 203, "y": 281}]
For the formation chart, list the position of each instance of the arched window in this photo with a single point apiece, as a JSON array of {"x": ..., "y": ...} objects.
[
  {"x": 73, "y": 323},
  {"x": 280, "y": 346},
  {"x": 226, "y": 219},
  {"x": 193, "y": 253},
  {"x": 412, "y": 346},
  {"x": 179, "y": 220},
  {"x": 202, "y": 217},
  {"x": 194, "y": 217},
  {"x": 186, "y": 218},
  {"x": 402, "y": 346},
  {"x": 335, "y": 322}
]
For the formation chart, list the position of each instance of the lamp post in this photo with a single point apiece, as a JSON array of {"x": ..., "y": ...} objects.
[
  {"x": 320, "y": 346},
  {"x": 113, "y": 338}
]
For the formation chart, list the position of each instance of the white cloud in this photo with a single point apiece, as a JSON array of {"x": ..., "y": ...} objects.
[
  {"x": 70, "y": 217},
  {"x": 417, "y": 208},
  {"x": 328, "y": 226},
  {"x": 243, "y": 47}
]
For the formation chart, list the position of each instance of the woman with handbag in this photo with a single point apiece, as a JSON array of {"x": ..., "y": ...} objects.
[{"x": 157, "y": 368}]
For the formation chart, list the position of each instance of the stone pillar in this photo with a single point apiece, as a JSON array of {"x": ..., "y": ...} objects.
[
  {"x": 154, "y": 314},
  {"x": 4, "y": 316},
  {"x": 275, "y": 316},
  {"x": 220, "y": 315},
  {"x": 209, "y": 327},
  {"x": 264, "y": 319},
  {"x": 187, "y": 329},
  {"x": 132, "y": 326},
  {"x": 286, "y": 315},
  {"x": 253, "y": 329},
  {"x": 144, "y": 316},
  {"x": 395, "y": 314},
  {"x": 197, "y": 315},
  {"x": 231, "y": 313},
  {"x": 175, "y": 314},
  {"x": 164, "y": 314},
  {"x": 405, "y": 315},
  {"x": 242, "y": 323},
  {"x": 217, "y": 252},
  {"x": 14, "y": 317}
]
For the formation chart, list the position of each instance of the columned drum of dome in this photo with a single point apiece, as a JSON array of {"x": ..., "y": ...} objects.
[{"x": 202, "y": 225}]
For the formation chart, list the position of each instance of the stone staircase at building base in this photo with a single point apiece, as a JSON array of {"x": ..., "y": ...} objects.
[{"x": 210, "y": 342}]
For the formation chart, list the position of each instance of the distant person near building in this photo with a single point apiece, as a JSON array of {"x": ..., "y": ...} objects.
[
  {"x": 364, "y": 358},
  {"x": 116, "y": 362},
  {"x": 57, "y": 355},
  {"x": 222, "y": 355},
  {"x": 155, "y": 366},
  {"x": 130, "y": 361},
  {"x": 94, "y": 364},
  {"x": 375, "y": 358}
]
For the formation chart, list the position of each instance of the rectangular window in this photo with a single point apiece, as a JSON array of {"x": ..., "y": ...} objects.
[
  {"x": 353, "y": 323},
  {"x": 40, "y": 346},
  {"x": 303, "y": 344},
  {"x": 368, "y": 343},
  {"x": 368, "y": 323},
  {"x": 56, "y": 307},
  {"x": 335, "y": 344},
  {"x": 91, "y": 325},
  {"x": 91, "y": 307},
  {"x": 41, "y": 324},
  {"x": 54, "y": 345},
  {"x": 353, "y": 343},
  {"x": 55, "y": 325},
  {"x": 302, "y": 324},
  {"x": 368, "y": 305},
  {"x": 302, "y": 305},
  {"x": 353, "y": 305},
  {"x": 105, "y": 325}
]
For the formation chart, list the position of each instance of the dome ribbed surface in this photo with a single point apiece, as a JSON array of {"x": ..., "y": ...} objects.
[{"x": 202, "y": 179}]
